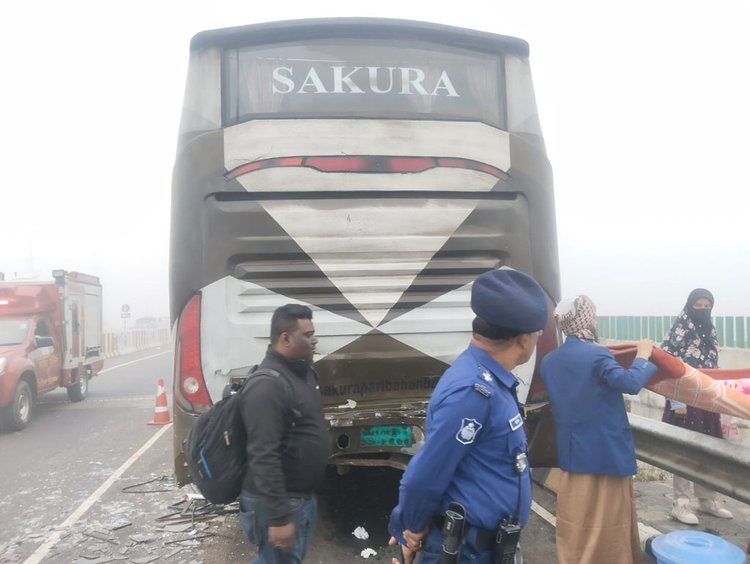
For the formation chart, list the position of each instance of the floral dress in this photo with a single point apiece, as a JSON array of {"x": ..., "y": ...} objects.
[{"x": 698, "y": 347}]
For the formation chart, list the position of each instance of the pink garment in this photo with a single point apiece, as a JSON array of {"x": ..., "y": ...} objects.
[{"x": 699, "y": 388}]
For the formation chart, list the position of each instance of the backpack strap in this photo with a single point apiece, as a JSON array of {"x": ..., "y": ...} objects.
[{"x": 256, "y": 371}]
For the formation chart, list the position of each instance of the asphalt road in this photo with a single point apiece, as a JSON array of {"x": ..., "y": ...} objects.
[
  {"x": 363, "y": 498},
  {"x": 92, "y": 482},
  {"x": 70, "y": 449}
]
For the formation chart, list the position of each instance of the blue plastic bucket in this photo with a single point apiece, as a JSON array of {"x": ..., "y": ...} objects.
[{"x": 694, "y": 547}]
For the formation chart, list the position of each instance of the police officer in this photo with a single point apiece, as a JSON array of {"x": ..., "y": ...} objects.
[{"x": 475, "y": 448}]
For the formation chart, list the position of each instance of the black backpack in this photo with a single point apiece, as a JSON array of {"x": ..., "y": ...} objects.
[{"x": 215, "y": 445}]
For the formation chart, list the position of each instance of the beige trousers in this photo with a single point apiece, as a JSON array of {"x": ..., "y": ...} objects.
[{"x": 596, "y": 520}]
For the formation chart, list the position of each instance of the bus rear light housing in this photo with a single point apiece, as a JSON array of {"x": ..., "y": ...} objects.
[
  {"x": 367, "y": 164},
  {"x": 190, "y": 391}
]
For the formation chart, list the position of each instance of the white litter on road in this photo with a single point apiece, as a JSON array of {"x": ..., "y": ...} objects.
[
  {"x": 350, "y": 404},
  {"x": 366, "y": 553},
  {"x": 360, "y": 533}
]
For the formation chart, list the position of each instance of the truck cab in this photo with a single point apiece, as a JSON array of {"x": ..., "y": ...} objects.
[{"x": 50, "y": 337}]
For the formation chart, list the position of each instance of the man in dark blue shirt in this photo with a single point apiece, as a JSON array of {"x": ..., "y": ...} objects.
[{"x": 475, "y": 448}]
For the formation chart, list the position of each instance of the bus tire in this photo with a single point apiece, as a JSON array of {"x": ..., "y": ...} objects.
[
  {"x": 17, "y": 415},
  {"x": 79, "y": 390}
]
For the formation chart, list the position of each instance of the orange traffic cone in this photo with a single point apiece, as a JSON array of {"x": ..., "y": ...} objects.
[{"x": 161, "y": 411}]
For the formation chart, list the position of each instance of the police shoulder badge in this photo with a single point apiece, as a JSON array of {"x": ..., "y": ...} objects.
[{"x": 468, "y": 431}]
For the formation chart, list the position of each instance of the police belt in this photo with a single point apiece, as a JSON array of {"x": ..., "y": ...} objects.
[{"x": 483, "y": 539}]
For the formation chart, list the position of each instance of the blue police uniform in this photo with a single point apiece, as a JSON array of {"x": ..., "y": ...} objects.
[{"x": 474, "y": 454}]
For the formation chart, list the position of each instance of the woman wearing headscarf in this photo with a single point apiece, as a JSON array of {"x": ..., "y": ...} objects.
[
  {"x": 692, "y": 339},
  {"x": 596, "y": 519}
]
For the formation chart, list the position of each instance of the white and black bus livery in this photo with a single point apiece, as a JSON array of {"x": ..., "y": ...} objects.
[{"x": 370, "y": 169}]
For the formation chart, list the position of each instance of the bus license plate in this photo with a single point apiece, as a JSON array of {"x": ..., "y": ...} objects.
[{"x": 386, "y": 436}]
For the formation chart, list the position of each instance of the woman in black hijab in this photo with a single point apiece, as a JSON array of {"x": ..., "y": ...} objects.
[{"x": 692, "y": 339}]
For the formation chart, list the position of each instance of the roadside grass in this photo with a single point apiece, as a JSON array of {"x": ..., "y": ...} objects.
[{"x": 648, "y": 473}]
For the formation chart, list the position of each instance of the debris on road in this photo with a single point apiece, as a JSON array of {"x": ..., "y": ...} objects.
[
  {"x": 361, "y": 533},
  {"x": 142, "y": 538},
  {"x": 101, "y": 535}
]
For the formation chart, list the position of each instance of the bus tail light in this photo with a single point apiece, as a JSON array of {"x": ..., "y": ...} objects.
[
  {"x": 190, "y": 389},
  {"x": 367, "y": 164}
]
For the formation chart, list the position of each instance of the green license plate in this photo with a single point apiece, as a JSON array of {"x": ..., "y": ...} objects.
[{"x": 386, "y": 436}]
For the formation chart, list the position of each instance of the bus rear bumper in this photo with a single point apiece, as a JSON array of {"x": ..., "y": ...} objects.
[{"x": 183, "y": 421}]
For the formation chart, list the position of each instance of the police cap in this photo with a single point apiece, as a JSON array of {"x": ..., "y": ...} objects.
[{"x": 509, "y": 299}]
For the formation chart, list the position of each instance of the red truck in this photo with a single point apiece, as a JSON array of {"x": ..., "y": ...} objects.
[{"x": 50, "y": 337}]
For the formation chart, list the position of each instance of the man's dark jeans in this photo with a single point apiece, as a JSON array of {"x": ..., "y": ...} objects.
[{"x": 254, "y": 521}]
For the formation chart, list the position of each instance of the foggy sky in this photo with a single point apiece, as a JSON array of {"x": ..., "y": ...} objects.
[{"x": 644, "y": 108}]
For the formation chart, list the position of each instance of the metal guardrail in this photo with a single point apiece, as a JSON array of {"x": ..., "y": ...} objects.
[{"x": 711, "y": 462}]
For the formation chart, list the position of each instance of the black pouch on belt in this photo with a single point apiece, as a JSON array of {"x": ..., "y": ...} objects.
[
  {"x": 506, "y": 541},
  {"x": 453, "y": 533}
]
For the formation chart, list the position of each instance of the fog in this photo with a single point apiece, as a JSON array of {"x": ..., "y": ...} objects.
[{"x": 644, "y": 108}]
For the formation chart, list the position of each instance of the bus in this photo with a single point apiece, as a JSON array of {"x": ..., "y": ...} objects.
[{"x": 370, "y": 169}]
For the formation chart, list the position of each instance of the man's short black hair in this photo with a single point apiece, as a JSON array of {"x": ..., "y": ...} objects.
[
  {"x": 285, "y": 319},
  {"x": 489, "y": 331}
]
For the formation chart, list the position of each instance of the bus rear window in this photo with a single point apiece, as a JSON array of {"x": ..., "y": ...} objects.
[{"x": 378, "y": 79}]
